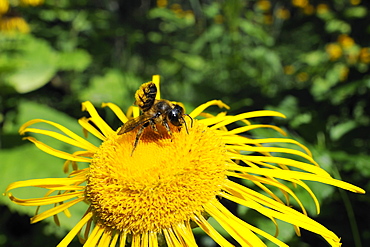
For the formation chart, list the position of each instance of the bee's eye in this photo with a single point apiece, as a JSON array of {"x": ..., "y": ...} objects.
[{"x": 175, "y": 115}]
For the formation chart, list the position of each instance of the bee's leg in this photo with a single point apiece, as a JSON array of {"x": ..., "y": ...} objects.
[
  {"x": 165, "y": 124},
  {"x": 154, "y": 127},
  {"x": 138, "y": 135}
]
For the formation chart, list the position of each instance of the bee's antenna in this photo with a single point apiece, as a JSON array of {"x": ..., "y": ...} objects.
[{"x": 186, "y": 126}]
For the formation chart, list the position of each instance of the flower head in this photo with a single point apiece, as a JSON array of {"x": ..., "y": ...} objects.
[{"x": 174, "y": 178}]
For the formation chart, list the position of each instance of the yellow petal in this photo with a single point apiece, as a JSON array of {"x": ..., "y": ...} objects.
[
  {"x": 247, "y": 115},
  {"x": 156, "y": 80},
  {"x": 66, "y": 131},
  {"x": 49, "y": 183},
  {"x": 84, "y": 122},
  {"x": 204, "y": 106},
  {"x": 96, "y": 119},
  {"x": 45, "y": 200},
  {"x": 252, "y": 127},
  {"x": 119, "y": 113},
  {"x": 233, "y": 225},
  {"x": 72, "y": 233},
  {"x": 55, "y": 210},
  {"x": 62, "y": 138},
  {"x": 287, "y": 174},
  {"x": 279, "y": 160},
  {"x": 207, "y": 228}
]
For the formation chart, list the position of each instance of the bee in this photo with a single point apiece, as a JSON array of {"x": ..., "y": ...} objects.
[{"x": 154, "y": 112}]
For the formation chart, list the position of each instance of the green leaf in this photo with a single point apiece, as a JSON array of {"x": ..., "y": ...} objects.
[
  {"x": 77, "y": 60},
  {"x": 37, "y": 64}
]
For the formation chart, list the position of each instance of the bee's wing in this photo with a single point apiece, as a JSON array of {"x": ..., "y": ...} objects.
[{"x": 133, "y": 124}]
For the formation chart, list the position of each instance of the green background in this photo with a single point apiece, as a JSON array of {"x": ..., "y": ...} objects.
[{"x": 307, "y": 59}]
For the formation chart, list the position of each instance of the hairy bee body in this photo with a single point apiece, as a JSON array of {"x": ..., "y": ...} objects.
[{"x": 153, "y": 112}]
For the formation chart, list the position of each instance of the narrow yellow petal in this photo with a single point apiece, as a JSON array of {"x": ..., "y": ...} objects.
[
  {"x": 244, "y": 140},
  {"x": 55, "y": 210},
  {"x": 272, "y": 182},
  {"x": 119, "y": 113},
  {"x": 204, "y": 106},
  {"x": 279, "y": 160},
  {"x": 49, "y": 183},
  {"x": 153, "y": 239},
  {"x": 96, "y": 119},
  {"x": 72, "y": 233},
  {"x": 145, "y": 239},
  {"x": 156, "y": 80},
  {"x": 287, "y": 174},
  {"x": 247, "y": 115},
  {"x": 46, "y": 200},
  {"x": 135, "y": 240},
  {"x": 207, "y": 228},
  {"x": 85, "y": 123},
  {"x": 185, "y": 233},
  {"x": 244, "y": 227},
  {"x": 56, "y": 153},
  {"x": 272, "y": 150},
  {"x": 122, "y": 241},
  {"x": 114, "y": 240},
  {"x": 94, "y": 237},
  {"x": 252, "y": 127},
  {"x": 62, "y": 138},
  {"x": 61, "y": 128},
  {"x": 233, "y": 225},
  {"x": 269, "y": 207},
  {"x": 105, "y": 239},
  {"x": 135, "y": 111}
]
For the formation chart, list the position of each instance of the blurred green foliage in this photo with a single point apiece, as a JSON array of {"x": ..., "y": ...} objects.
[{"x": 308, "y": 59}]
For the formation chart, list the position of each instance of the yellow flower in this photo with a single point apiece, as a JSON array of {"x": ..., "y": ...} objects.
[
  {"x": 334, "y": 51},
  {"x": 172, "y": 181},
  {"x": 4, "y": 6},
  {"x": 14, "y": 24},
  {"x": 302, "y": 76},
  {"x": 32, "y": 2},
  {"x": 289, "y": 69},
  {"x": 322, "y": 8},
  {"x": 283, "y": 13},
  {"x": 345, "y": 41},
  {"x": 162, "y": 3},
  {"x": 264, "y": 5},
  {"x": 300, "y": 3},
  {"x": 355, "y": 2},
  {"x": 309, "y": 9},
  {"x": 365, "y": 55}
]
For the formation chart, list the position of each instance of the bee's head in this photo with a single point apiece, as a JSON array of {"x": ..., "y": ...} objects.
[{"x": 175, "y": 115}]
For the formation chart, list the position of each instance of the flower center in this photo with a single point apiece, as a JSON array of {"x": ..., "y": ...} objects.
[{"x": 163, "y": 183}]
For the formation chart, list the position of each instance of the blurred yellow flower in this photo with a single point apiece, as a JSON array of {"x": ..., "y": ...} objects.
[
  {"x": 289, "y": 69},
  {"x": 4, "y": 6},
  {"x": 32, "y": 2},
  {"x": 264, "y": 5},
  {"x": 365, "y": 55},
  {"x": 300, "y": 3},
  {"x": 267, "y": 19},
  {"x": 13, "y": 24},
  {"x": 322, "y": 8},
  {"x": 355, "y": 2},
  {"x": 162, "y": 3},
  {"x": 219, "y": 19},
  {"x": 345, "y": 41},
  {"x": 344, "y": 71},
  {"x": 309, "y": 9},
  {"x": 334, "y": 51},
  {"x": 282, "y": 13},
  {"x": 302, "y": 76},
  {"x": 172, "y": 181}
]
